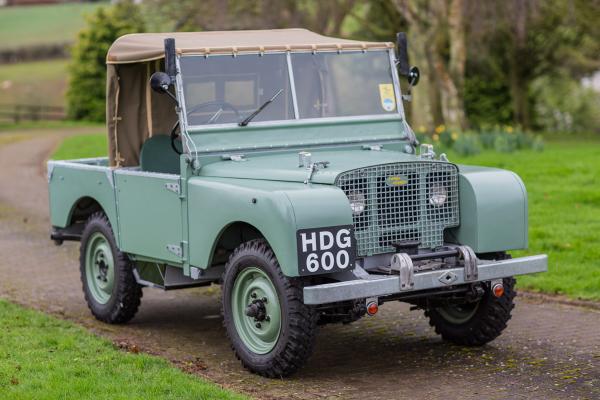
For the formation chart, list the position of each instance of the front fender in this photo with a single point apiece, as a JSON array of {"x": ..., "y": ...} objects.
[
  {"x": 276, "y": 209},
  {"x": 493, "y": 210}
]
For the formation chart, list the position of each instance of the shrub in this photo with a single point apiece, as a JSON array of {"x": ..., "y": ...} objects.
[
  {"x": 537, "y": 143},
  {"x": 502, "y": 139},
  {"x": 86, "y": 95},
  {"x": 467, "y": 145},
  {"x": 504, "y": 144}
]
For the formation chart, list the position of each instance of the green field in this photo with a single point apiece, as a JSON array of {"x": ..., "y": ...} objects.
[
  {"x": 46, "y": 358},
  {"x": 84, "y": 146},
  {"x": 44, "y": 24},
  {"x": 34, "y": 83},
  {"x": 564, "y": 208},
  {"x": 564, "y": 212}
]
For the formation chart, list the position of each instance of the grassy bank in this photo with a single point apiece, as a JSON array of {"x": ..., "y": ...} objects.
[
  {"x": 34, "y": 83},
  {"x": 42, "y": 24},
  {"x": 564, "y": 208},
  {"x": 46, "y": 358}
]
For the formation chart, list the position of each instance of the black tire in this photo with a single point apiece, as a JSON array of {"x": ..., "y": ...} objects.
[
  {"x": 126, "y": 294},
  {"x": 296, "y": 338},
  {"x": 487, "y": 323}
]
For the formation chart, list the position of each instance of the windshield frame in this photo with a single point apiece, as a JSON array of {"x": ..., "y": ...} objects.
[{"x": 398, "y": 114}]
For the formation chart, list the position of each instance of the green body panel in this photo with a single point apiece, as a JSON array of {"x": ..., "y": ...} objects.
[
  {"x": 149, "y": 214},
  {"x": 280, "y": 209},
  {"x": 266, "y": 191},
  {"x": 69, "y": 183},
  {"x": 284, "y": 166},
  {"x": 298, "y": 133},
  {"x": 493, "y": 210}
]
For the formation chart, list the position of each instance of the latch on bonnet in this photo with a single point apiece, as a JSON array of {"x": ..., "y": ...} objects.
[{"x": 305, "y": 161}]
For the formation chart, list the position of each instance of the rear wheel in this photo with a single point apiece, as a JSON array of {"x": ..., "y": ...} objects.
[
  {"x": 474, "y": 323},
  {"x": 271, "y": 330},
  {"x": 109, "y": 286}
]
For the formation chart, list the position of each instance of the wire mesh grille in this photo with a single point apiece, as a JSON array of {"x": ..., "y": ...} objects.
[{"x": 402, "y": 202}]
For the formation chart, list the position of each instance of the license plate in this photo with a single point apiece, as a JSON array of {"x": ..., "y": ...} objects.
[{"x": 324, "y": 250}]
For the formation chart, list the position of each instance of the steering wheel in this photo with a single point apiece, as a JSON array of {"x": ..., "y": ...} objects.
[{"x": 223, "y": 105}]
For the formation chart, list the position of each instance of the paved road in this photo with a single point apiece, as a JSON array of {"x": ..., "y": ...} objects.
[{"x": 549, "y": 351}]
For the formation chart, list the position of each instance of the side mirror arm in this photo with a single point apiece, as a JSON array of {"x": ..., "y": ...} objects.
[
  {"x": 161, "y": 81},
  {"x": 412, "y": 74}
]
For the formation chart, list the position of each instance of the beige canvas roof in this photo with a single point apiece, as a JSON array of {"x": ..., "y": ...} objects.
[{"x": 139, "y": 47}]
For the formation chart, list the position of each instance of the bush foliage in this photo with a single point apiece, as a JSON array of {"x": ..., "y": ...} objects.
[
  {"x": 500, "y": 139},
  {"x": 86, "y": 94}
]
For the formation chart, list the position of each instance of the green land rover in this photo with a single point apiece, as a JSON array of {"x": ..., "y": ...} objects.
[{"x": 279, "y": 164}]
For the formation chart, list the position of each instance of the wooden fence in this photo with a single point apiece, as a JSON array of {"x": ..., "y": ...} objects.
[{"x": 28, "y": 112}]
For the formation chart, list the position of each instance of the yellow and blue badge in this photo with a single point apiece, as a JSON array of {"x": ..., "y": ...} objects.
[{"x": 386, "y": 94}]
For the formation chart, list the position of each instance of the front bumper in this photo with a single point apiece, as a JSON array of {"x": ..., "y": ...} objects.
[{"x": 372, "y": 285}]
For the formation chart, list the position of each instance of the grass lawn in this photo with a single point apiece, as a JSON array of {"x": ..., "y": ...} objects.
[
  {"x": 564, "y": 208},
  {"x": 564, "y": 212},
  {"x": 43, "y": 24},
  {"x": 39, "y": 82},
  {"x": 82, "y": 146},
  {"x": 46, "y": 358}
]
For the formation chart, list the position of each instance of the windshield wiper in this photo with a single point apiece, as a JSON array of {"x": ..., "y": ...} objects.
[{"x": 259, "y": 109}]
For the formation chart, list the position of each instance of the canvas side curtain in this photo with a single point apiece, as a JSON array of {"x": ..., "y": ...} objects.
[{"x": 133, "y": 111}]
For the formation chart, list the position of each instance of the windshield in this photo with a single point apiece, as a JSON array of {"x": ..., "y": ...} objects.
[
  {"x": 344, "y": 84},
  {"x": 225, "y": 89}
]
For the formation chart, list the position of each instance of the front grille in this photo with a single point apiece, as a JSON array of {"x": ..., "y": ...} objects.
[{"x": 398, "y": 207}]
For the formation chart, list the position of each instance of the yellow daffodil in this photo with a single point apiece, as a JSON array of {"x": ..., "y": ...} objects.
[
  {"x": 436, "y": 137},
  {"x": 454, "y": 135},
  {"x": 509, "y": 129},
  {"x": 440, "y": 129}
]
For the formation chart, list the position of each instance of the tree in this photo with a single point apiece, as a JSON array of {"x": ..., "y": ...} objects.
[
  {"x": 86, "y": 95},
  {"x": 325, "y": 17},
  {"x": 520, "y": 41}
]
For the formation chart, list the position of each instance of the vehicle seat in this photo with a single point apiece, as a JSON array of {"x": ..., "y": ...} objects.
[{"x": 158, "y": 156}]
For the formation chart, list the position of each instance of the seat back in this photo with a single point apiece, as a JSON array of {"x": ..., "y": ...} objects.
[{"x": 158, "y": 156}]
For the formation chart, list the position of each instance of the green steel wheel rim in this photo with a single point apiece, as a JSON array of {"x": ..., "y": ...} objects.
[
  {"x": 99, "y": 268},
  {"x": 259, "y": 333},
  {"x": 458, "y": 313}
]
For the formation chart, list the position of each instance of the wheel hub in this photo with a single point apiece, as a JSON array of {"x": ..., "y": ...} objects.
[
  {"x": 256, "y": 310},
  {"x": 102, "y": 267},
  {"x": 99, "y": 266}
]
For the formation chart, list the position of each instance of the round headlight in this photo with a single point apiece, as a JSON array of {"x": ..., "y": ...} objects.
[
  {"x": 357, "y": 202},
  {"x": 439, "y": 195}
]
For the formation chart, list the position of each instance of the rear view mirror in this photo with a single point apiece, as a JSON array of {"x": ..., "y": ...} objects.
[
  {"x": 413, "y": 76},
  {"x": 160, "y": 82}
]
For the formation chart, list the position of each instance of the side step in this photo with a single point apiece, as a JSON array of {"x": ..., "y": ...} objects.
[{"x": 168, "y": 277}]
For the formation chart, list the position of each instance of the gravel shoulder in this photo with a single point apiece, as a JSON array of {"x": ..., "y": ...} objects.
[{"x": 550, "y": 350}]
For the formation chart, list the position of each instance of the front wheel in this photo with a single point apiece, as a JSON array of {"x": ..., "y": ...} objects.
[
  {"x": 271, "y": 330},
  {"x": 475, "y": 323}
]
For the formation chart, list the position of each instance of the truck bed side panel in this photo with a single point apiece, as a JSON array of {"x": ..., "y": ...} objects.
[{"x": 71, "y": 181}]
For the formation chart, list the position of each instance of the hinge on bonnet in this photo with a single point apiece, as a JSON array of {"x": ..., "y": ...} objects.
[
  {"x": 372, "y": 147},
  {"x": 234, "y": 157}
]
